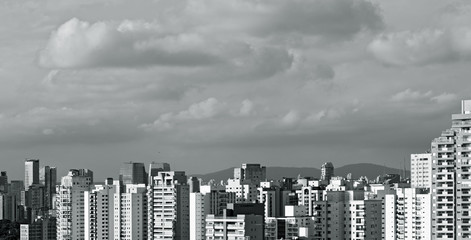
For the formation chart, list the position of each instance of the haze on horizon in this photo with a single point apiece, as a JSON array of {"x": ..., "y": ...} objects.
[{"x": 207, "y": 84}]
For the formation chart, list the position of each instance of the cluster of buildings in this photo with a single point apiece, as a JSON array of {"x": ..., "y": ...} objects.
[{"x": 160, "y": 203}]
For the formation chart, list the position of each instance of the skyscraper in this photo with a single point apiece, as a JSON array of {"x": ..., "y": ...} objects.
[
  {"x": 31, "y": 172},
  {"x": 3, "y": 182},
  {"x": 133, "y": 173},
  {"x": 155, "y": 168},
  {"x": 48, "y": 178},
  {"x": 327, "y": 171},
  {"x": 250, "y": 172},
  {"x": 71, "y": 204},
  {"x": 421, "y": 170},
  {"x": 451, "y": 179},
  {"x": 116, "y": 211},
  {"x": 168, "y": 206}
]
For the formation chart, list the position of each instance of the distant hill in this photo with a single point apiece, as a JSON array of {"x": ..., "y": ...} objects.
[{"x": 369, "y": 170}]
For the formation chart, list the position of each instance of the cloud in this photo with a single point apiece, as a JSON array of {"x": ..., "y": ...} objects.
[
  {"x": 410, "y": 95},
  {"x": 326, "y": 19},
  {"x": 80, "y": 44},
  {"x": 207, "y": 109},
  {"x": 444, "y": 98},
  {"x": 291, "y": 118},
  {"x": 247, "y": 108},
  {"x": 199, "y": 33},
  {"x": 422, "y": 47},
  {"x": 408, "y": 47}
]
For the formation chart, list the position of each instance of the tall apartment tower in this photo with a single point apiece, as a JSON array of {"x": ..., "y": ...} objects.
[
  {"x": 155, "y": 168},
  {"x": 250, "y": 172},
  {"x": 71, "y": 204},
  {"x": 31, "y": 172},
  {"x": 116, "y": 211},
  {"x": 133, "y": 173},
  {"x": 451, "y": 179},
  {"x": 168, "y": 206},
  {"x": 99, "y": 208},
  {"x": 3, "y": 182},
  {"x": 421, "y": 170},
  {"x": 48, "y": 178},
  {"x": 407, "y": 213},
  {"x": 197, "y": 215},
  {"x": 327, "y": 171}
]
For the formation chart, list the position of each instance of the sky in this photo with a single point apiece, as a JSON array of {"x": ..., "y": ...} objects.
[{"x": 208, "y": 84}]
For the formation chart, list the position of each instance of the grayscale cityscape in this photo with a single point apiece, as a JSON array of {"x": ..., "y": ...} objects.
[
  {"x": 432, "y": 201},
  {"x": 235, "y": 119}
]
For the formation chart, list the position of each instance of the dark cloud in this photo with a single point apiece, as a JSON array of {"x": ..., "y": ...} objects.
[{"x": 335, "y": 20}]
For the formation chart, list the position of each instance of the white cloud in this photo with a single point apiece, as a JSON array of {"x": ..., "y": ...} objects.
[
  {"x": 291, "y": 118},
  {"x": 410, "y": 95},
  {"x": 208, "y": 108},
  {"x": 408, "y": 47},
  {"x": 80, "y": 44},
  {"x": 247, "y": 108},
  {"x": 198, "y": 32},
  {"x": 444, "y": 98},
  {"x": 422, "y": 47}
]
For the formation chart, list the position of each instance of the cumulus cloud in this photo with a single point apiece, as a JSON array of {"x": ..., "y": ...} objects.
[
  {"x": 328, "y": 19},
  {"x": 247, "y": 108},
  {"x": 410, "y": 95},
  {"x": 207, "y": 109},
  {"x": 291, "y": 118},
  {"x": 444, "y": 98},
  {"x": 80, "y": 44},
  {"x": 426, "y": 46},
  {"x": 200, "y": 33}
]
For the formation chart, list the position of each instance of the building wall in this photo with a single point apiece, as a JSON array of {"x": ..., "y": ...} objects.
[
  {"x": 168, "y": 206},
  {"x": 421, "y": 170},
  {"x": 71, "y": 204},
  {"x": 197, "y": 215}
]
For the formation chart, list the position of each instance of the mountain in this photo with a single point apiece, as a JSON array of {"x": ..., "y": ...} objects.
[{"x": 369, "y": 170}]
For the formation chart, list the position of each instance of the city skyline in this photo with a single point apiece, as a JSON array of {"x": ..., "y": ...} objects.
[{"x": 206, "y": 85}]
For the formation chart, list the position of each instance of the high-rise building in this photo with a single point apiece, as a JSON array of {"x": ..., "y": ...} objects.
[
  {"x": 7, "y": 207},
  {"x": 35, "y": 200},
  {"x": 116, "y": 211},
  {"x": 407, "y": 214},
  {"x": 250, "y": 173},
  {"x": 168, "y": 206},
  {"x": 31, "y": 172},
  {"x": 155, "y": 168},
  {"x": 39, "y": 229},
  {"x": 99, "y": 209},
  {"x": 133, "y": 173},
  {"x": 421, "y": 170},
  {"x": 327, "y": 171},
  {"x": 216, "y": 201},
  {"x": 48, "y": 178},
  {"x": 239, "y": 221},
  {"x": 451, "y": 178},
  {"x": 3, "y": 182},
  {"x": 71, "y": 204},
  {"x": 197, "y": 215},
  {"x": 245, "y": 192}
]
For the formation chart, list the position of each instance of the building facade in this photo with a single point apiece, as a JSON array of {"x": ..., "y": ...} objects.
[
  {"x": 71, "y": 204},
  {"x": 31, "y": 172},
  {"x": 168, "y": 206},
  {"x": 421, "y": 170}
]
